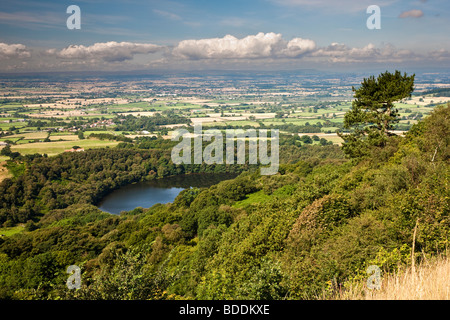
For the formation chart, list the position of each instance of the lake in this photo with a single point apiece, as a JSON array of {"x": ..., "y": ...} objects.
[{"x": 148, "y": 193}]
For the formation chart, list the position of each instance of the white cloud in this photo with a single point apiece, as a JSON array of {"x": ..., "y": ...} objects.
[
  {"x": 298, "y": 46},
  {"x": 415, "y": 13},
  {"x": 341, "y": 53},
  {"x": 107, "y": 51},
  {"x": 338, "y": 52},
  {"x": 272, "y": 46},
  {"x": 13, "y": 51},
  {"x": 262, "y": 45}
]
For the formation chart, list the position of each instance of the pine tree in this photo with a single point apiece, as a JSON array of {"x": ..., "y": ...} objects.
[{"x": 373, "y": 114}]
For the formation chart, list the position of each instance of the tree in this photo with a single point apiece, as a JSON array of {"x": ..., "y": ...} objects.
[
  {"x": 306, "y": 139},
  {"x": 6, "y": 151},
  {"x": 373, "y": 114}
]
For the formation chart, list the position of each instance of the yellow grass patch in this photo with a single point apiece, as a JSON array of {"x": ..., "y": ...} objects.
[
  {"x": 31, "y": 135},
  {"x": 69, "y": 137},
  {"x": 428, "y": 281},
  {"x": 4, "y": 173}
]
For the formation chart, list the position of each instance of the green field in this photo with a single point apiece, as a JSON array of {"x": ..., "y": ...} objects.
[
  {"x": 7, "y": 125},
  {"x": 10, "y": 106},
  {"x": 257, "y": 197},
  {"x": 243, "y": 123},
  {"x": 5, "y": 138},
  {"x": 214, "y": 124},
  {"x": 7, "y": 232},
  {"x": 88, "y": 133},
  {"x": 56, "y": 147},
  {"x": 333, "y": 138}
]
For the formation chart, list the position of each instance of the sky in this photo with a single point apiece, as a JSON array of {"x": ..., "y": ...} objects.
[{"x": 120, "y": 35}]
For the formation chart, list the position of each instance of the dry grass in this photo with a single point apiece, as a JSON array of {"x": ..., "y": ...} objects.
[
  {"x": 30, "y": 135},
  {"x": 68, "y": 137},
  {"x": 4, "y": 173},
  {"x": 428, "y": 281}
]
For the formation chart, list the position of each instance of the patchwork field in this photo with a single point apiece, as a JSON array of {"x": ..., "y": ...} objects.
[{"x": 26, "y": 123}]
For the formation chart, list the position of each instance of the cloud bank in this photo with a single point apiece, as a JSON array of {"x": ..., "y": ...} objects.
[
  {"x": 13, "y": 51},
  {"x": 341, "y": 53},
  {"x": 263, "y": 50},
  {"x": 107, "y": 51},
  {"x": 268, "y": 45},
  {"x": 273, "y": 46}
]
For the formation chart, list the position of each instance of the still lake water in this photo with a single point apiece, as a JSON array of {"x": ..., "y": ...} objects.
[{"x": 148, "y": 193}]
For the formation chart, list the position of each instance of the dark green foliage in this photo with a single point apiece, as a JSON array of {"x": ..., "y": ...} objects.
[
  {"x": 132, "y": 123},
  {"x": 373, "y": 114},
  {"x": 185, "y": 197},
  {"x": 306, "y": 139},
  {"x": 108, "y": 136},
  {"x": 6, "y": 151}
]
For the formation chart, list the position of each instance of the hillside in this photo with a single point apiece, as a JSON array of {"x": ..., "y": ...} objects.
[{"x": 323, "y": 220}]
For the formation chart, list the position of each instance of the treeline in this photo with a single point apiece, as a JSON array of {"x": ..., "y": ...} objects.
[
  {"x": 437, "y": 92},
  {"x": 132, "y": 123},
  {"x": 287, "y": 127},
  {"x": 307, "y": 128},
  {"x": 109, "y": 136}
]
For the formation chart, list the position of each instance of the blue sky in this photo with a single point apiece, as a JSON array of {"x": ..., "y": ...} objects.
[{"x": 202, "y": 34}]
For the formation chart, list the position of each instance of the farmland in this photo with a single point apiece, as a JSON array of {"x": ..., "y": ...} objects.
[
  {"x": 63, "y": 151},
  {"x": 48, "y": 121}
]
